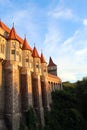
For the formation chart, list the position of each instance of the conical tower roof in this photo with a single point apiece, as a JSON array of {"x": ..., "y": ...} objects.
[
  {"x": 35, "y": 53},
  {"x": 42, "y": 58},
  {"x": 51, "y": 63},
  {"x": 26, "y": 46},
  {"x": 12, "y": 34}
]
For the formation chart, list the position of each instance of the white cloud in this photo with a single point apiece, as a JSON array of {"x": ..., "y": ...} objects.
[
  {"x": 26, "y": 21},
  {"x": 64, "y": 13},
  {"x": 52, "y": 38},
  {"x": 85, "y": 22},
  {"x": 70, "y": 55},
  {"x": 82, "y": 52}
]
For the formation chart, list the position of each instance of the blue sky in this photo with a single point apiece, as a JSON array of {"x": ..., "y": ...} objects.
[{"x": 57, "y": 27}]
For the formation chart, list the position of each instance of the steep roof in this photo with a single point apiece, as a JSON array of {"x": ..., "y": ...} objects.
[
  {"x": 42, "y": 58},
  {"x": 20, "y": 39},
  {"x": 26, "y": 46},
  {"x": 12, "y": 34},
  {"x": 35, "y": 53},
  {"x": 3, "y": 26},
  {"x": 51, "y": 63}
]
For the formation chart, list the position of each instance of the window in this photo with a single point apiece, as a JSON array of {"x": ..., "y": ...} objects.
[
  {"x": 13, "y": 51},
  {"x": 2, "y": 48},
  {"x": 37, "y": 66},
  {"x": 20, "y": 45},
  {"x": 44, "y": 70},
  {"x": 27, "y": 60}
]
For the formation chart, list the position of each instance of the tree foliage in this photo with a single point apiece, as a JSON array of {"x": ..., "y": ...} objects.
[{"x": 69, "y": 107}]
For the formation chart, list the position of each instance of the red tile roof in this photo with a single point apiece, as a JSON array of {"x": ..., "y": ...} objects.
[
  {"x": 35, "y": 53},
  {"x": 53, "y": 76},
  {"x": 26, "y": 46},
  {"x": 51, "y": 63},
  {"x": 12, "y": 34},
  {"x": 3, "y": 26},
  {"x": 19, "y": 39},
  {"x": 42, "y": 58}
]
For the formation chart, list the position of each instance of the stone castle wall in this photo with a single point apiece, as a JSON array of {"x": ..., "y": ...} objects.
[{"x": 24, "y": 81}]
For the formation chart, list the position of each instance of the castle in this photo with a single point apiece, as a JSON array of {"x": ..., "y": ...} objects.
[{"x": 25, "y": 79}]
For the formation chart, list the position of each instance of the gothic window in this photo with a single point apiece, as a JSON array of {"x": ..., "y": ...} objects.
[
  {"x": 27, "y": 60},
  {"x": 37, "y": 66},
  {"x": 44, "y": 70},
  {"x": 20, "y": 45},
  {"x": 2, "y": 48},
  {"x": 13, "y": 51}
]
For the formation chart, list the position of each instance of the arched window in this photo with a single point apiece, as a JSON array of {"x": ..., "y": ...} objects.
[{"x": 2, "y": 48}]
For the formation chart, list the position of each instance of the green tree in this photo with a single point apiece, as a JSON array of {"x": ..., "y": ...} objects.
[
  {"x": 64, "y": 114},
  {"x": 31, "y": 120}
]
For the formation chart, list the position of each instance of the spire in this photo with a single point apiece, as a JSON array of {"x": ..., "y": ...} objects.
[
  {"x": 12, "y": 34},
  {"x": 51, "y": 63},
  {"x": 42, "y": 58},
  {"x": 3, "y": 26},
  {"x": 35, "y": 53},
  {"x": 26, "y": 46}
]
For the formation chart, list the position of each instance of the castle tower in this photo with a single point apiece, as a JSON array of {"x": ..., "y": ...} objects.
[
  {"x": 52, "y": 67},
  {"x": 12, "y": 81},
  {"x": 36, "y": 86},
  {"x": 24, "y": 80},
  {"x": 2, "y": 58},
  {"x": 44, "y": 83},
  {"x": 25, "y": 77}
]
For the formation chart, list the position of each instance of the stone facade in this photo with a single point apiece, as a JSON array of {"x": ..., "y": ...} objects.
[{"x": 24, "y": 80}]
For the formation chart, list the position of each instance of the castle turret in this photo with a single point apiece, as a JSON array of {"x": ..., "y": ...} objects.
[
  {"x": 14, "y": 48},
  {"x": 24, "y": 80},
  {"x": 3, "y": 35},
  {"x": 36, "y": 61},
  {"x": 12, "y": 80},
  {"x": 36, "y": 85},
  {"x": 52, "y": 67},
  {"x": 26, "y": 85},
  {"x": 27, "y": 55},
  {"x": 44, "y": 82}
]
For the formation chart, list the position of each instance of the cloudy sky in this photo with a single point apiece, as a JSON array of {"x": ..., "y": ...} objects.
[{"x": 57, "y": 27}]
